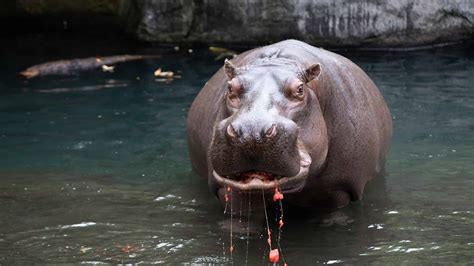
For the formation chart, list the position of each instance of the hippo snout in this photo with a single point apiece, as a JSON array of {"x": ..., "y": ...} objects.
[
  {"x": 251, "y": 144},
  {"x": 252, "y": 131}
]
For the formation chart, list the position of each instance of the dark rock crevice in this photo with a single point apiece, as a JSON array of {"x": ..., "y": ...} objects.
[{"x": 454, "y": 14}]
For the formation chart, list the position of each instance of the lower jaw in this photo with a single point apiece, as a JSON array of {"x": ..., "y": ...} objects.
[{"x": 285, "y": 184}]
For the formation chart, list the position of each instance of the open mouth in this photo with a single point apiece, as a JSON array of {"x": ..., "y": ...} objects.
[{"x": 260, "y": 180}]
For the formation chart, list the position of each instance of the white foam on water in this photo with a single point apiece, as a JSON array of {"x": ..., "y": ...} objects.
[
  {"x": 84, "y": 224},
  {"x": 413, "y": 250},
  {"x": 169, "y": 196},
  {"x": 376, "y": 226}
]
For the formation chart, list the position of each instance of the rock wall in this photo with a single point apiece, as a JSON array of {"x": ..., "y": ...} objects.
[
  {"x": 321, "y": 22},
  {"x": 330, "y": 23}
]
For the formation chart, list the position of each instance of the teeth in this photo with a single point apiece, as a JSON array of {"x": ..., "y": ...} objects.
[
  {"x": 249, "y": 177},
  {"x": 305, "y": 163}
]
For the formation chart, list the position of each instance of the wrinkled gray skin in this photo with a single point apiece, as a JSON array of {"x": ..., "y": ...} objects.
[{"x": 270, "y": 104}]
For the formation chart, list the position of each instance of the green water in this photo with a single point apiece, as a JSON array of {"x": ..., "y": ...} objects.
[{"x": 94, "y": 168}]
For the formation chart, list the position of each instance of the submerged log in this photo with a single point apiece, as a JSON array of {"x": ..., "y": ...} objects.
[{"x": 73, "y": 66}]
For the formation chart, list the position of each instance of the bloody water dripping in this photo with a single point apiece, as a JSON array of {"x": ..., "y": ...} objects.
[
  {"x": 248, "y": 231},
  {"x": 269, "y": 239},
  {"x": 281, "y": 223},
  {"x": 269, "y": 233},
  {"x": 231, "y": 248},
  {"x": 226, "y": 199},
  {"x": 240, "y": 206},
  {"x": 226, "y": 195},
  {"x": 278, "y": 196}
]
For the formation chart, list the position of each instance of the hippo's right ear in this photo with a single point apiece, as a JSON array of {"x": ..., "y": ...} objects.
[
  {"x": 312, "y": 72},
  {"x": 229, "y": 69}
]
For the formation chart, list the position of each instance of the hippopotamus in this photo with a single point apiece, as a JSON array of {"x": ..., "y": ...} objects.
[{"x": 289, "y": 115}]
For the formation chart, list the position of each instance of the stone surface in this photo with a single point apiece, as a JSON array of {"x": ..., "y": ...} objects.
[
  {"x": 52, "y": 7},
  {"x": 321, "y": 22}
]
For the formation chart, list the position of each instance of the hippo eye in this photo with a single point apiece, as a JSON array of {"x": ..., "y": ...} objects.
[
  {"x": 300, "y": 90},
  {"x": 233, "y": 95}
]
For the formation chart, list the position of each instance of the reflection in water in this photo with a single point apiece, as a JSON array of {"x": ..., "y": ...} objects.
[{"x": 102, "y": 174}]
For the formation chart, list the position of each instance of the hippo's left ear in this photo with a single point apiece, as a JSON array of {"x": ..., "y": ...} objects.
[
  {"x": 312, "y": 72},
  {"x": 229, "y": 69}
]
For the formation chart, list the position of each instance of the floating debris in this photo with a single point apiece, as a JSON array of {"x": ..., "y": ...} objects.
[
  {"x": 84, "y": 249},
  {"x": 106, "y": 68},
  {"x": 163, "y": 74},
  {"x": 73, "y": 66},
  {"x": 222, "y": 52}
]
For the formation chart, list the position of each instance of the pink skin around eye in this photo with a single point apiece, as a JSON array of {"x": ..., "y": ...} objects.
[
  {"x": 293, "y": 86},
  {"x": 234, "y": 86},
  {"x": 233, "y": 93}
]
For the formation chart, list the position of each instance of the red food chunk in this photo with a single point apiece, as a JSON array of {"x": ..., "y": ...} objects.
[
  {"x": 274, "y": 255},
  {"x": 277, "y": 196}
]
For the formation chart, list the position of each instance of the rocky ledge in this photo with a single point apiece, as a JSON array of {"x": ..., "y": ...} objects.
[{"x": 322, "y": 22}]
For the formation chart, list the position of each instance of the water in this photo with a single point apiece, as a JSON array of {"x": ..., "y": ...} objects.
[{"x": 103, "y": 175}]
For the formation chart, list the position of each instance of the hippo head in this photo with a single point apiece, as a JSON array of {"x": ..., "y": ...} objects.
[{"x": 271, "y": 131}]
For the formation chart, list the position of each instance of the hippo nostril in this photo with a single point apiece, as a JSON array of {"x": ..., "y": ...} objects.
[
  {"x": 231, "y": 131},
  {"x": 271, "y": 132}
]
